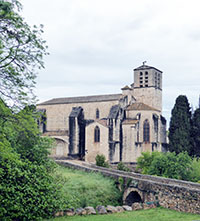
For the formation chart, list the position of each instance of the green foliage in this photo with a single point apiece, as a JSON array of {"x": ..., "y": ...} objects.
[
  {"x": 82, "y": 189},
  {"x": 101, "y": 161},
  {"x": 123, "y": 167},
  {"x": 196, "y": 133},
  {"x": 145, "y": 160},
  {"x": 28, "y": 188},
  {"x": 21, "y": 53},
  {"x": 180, "y": 127},
  {"x": 167, "y": 165},
  {"x": 195, "y": 172}
]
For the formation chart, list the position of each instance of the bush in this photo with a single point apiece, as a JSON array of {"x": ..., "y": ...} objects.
[
  {"x": 168, "y": 165},
  {"x": 27, "y": 191},
  {"x": 101, "y": 161},
  {"x": 145, "y": 160},
  {"x": 195, "y": 172},
  {"x": 121, "y": 166}
]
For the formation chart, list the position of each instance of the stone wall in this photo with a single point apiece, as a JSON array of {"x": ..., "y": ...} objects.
[
  {"x": 93, "y": 148},
  {"x": 58, "y": 114}
]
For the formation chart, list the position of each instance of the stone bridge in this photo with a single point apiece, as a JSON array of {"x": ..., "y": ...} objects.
[{"x": 169, "y": 193}]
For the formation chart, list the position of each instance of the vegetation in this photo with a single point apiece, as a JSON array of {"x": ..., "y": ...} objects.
[
  {"x": 82, "y": 189},
  {"x": 184, "y": 130},
  {"x": 158, "y": 214},
  {"x": 180, "y": 126},
  {"x": 170, "y": 165},
  {"x": 101, "y": 161},
  {"x": 196, "y": 133},
  {"x": 21, "y": 53},
  {"x": 28, "y": 188},
  {"x": 123, "y": 167},
  {"x": 26, "y": 172}
]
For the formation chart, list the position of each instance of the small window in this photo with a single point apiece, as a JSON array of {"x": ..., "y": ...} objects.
[
  {"x": 141, "y": 73},
  {"x": 141, "y": 85},
  {"x": 97, "y": 113},
  {"x": 146, "y": 77},
  {"x": 141, "y": 78},
  {"x": 146, "y": 81},
  {"x": 141, "y": 82},
  {"x": 96, "y": 134},
  {"x": 146, "y": 128},
  {"x": 146, "y": 85},
  {"x": 146, "y": 73}
]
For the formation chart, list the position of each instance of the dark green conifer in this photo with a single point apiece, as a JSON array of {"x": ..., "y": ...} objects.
[
  {"x": 196, "y": 133},
  {"x": 180, "y": 126}
]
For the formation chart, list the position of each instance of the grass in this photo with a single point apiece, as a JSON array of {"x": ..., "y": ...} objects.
[
  {"x": 82, "y": 189},
  {"x": 158, "y": 214}
]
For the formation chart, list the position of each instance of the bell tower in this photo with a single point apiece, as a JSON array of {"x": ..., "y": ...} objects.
[{"x": 148, "y": 86}]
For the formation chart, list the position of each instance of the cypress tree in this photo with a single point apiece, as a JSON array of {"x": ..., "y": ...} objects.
[
  {"x": 196, "y": 133},
  {"x": 180, "y": 126}
]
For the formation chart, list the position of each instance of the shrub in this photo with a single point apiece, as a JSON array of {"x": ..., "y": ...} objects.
[
  {"x": 121, "y": 166},
  {"x": 145, "y": 160},
  {"x": 101, "y": 161},
  {"x": 27, "y": 191},
  {"x": 195, "y": 171},
  {"x": 168, "y": 165}
]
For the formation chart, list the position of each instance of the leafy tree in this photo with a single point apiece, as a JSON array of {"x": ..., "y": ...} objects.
[
  {"x": 167, "y": 165},
  {"x": 145, "y": 161},
  {"x": 196, "y": 133},
  {"x": 180, "y": 126},
  {"x": 21, "y": 52},
  {"x": 28, "y": 188}
]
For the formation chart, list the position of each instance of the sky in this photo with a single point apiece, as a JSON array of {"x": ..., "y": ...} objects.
[{"x": 94, "y": 46}]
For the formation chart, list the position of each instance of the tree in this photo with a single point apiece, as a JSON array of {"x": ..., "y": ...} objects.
[
  {"x": 167, "y": 165},
  {"x": 21, "y": 53},
  {"x": 28, "y": 188},
  {"x": 180, "y": 126},
  {"x": 196, "y": 133}
]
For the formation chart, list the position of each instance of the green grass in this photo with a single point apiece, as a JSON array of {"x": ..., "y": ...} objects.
[
  {"x": 83, "y": 189},
  {"x": 158, "y": 214}
]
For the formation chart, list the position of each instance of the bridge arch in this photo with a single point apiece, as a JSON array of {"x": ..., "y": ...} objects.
[{"x": 133, "y": 195}]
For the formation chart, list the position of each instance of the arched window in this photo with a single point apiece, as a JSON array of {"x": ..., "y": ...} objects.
[
  {"x": 97, "y": 113},
  {"x": 96, "y": 134},
  {"x": 146, "y": 131}
]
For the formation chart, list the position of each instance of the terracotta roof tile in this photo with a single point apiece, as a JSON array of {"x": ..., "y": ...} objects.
[
  {"x": 130, "y": 121},
  {"x": 140, "y": 106}
]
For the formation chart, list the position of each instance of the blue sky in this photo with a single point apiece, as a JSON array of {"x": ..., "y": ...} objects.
[{"x": 94, "y": 45}]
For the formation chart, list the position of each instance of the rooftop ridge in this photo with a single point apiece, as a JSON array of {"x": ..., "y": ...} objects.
[{"x": 82, "y": 99}]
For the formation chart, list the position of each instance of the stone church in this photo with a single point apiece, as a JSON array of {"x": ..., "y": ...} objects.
[{"x": 119, "y": 126}]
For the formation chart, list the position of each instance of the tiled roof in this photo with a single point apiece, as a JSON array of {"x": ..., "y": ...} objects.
[
  {"x": 126, "y": 88},
  {"x": 82, "y": 99},
  {"x": 140, "y": 106},
  {"x": 130, "y": 121},
  {"x": 103, "y": 122},
  {"x": 146, "y": 67}
]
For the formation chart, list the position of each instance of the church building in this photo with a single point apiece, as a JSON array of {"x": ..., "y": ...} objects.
[{"x": 119, "y": 126}]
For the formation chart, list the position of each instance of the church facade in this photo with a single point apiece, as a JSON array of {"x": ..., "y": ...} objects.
[{"x": 119, "y": 126}]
